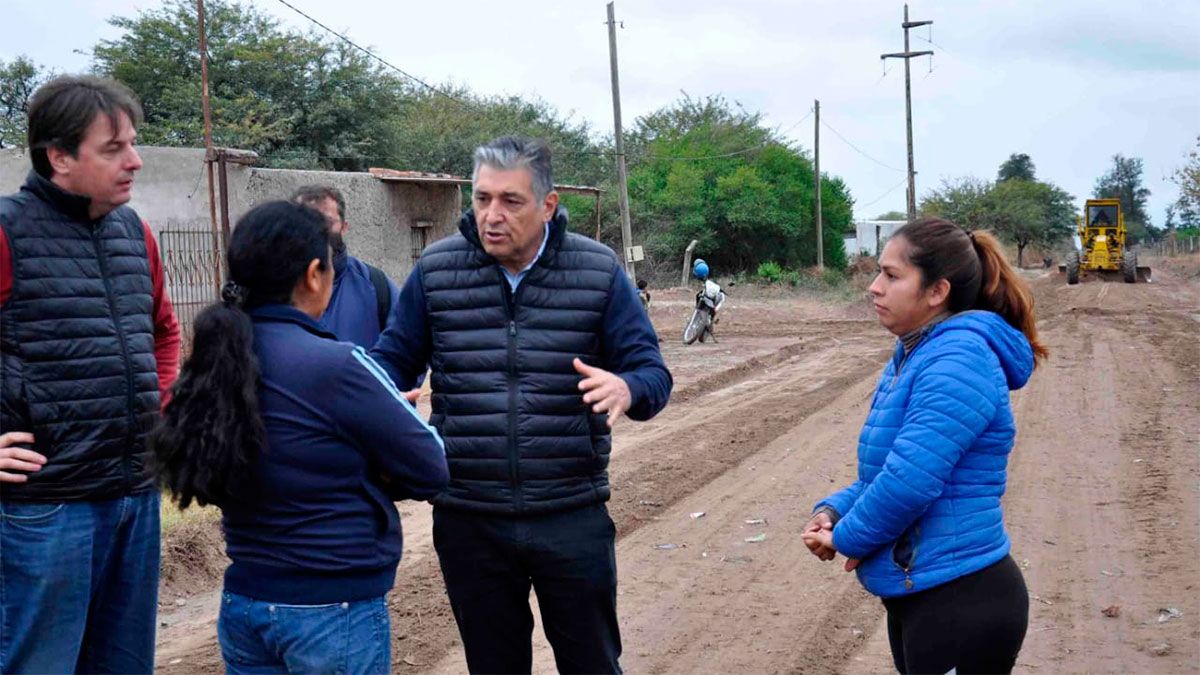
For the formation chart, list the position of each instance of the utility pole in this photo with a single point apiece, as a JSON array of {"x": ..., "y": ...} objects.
[
  {"x": 908, "y": 56},
  {"x": 626, "y": 230},
  {"x": 208, "y": 146},
  {"x": 817, "y": 179},
  {"x": 209, "y": 155}
]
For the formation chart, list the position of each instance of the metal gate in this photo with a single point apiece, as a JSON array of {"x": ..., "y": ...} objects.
[{"x": 192, "y": 263}]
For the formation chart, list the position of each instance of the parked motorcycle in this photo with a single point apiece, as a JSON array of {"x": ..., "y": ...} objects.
[{"x": 699, "y": 326}]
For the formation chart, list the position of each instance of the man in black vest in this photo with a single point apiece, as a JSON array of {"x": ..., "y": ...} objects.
[
  {"x": 537, "y": 344},
  {"x": 89, "y": 345}
]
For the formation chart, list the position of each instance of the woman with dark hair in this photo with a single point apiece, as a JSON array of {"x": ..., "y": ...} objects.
[
  {"x": 922, "y": 525},
  {"x": 304, "y": 443}
]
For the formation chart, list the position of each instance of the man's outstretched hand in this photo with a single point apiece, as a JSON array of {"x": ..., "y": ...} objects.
[{"x": 604, "y": 391}]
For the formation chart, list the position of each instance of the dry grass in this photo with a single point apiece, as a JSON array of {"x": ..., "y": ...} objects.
[
  {"x": 172, "y": 517},
  {"x": 193, "y": 548}
]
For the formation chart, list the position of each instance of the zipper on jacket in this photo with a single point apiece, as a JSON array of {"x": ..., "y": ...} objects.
[
  {"x": 514, "y": 455},
  {"x": 129, "y": 396},
  {"x": 916, "y": 543}
]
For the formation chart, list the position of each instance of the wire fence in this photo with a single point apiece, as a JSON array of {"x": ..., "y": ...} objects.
[{"x": 1173, "y": 246}]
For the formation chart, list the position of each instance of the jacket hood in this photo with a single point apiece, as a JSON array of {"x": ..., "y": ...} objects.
[{"x": 1010, "y": 345}]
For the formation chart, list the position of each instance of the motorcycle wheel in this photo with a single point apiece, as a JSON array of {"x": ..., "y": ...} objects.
[{"x": 694, "y": 328}]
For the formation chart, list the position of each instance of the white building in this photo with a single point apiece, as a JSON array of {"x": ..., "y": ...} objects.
[{"x": 870, "y": 236}]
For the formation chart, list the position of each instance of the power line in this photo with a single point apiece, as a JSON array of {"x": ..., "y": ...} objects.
[
  {"x": 734, "y": 153},
  {"x": 857, "y": 149},
  {"x": 880, "y": 197},
  {"x": 371, "y": 54}
]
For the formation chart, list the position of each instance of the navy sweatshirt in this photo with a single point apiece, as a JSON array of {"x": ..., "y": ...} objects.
[
  {"x": 318, "y": 524},
  {"x": 353, "y": 312}
]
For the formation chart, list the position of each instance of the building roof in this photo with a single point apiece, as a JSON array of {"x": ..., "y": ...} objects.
[{"x": 395, "y": 176}]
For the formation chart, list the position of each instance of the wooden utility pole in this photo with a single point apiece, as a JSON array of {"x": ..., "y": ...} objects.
[
  {"x": 626, "y": 230},
  {"x": 208, "y": 145},
  {"x": 908, "y": 56},
  {"x": 817, "y": 179}
]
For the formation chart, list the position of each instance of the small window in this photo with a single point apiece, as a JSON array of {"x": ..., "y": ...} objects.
[{"x": 420, "y": 237}]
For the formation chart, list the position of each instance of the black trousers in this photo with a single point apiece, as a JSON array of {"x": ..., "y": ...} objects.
[
  {"x": 569, "y": 559},
  {"x": 974, "y": 624}
]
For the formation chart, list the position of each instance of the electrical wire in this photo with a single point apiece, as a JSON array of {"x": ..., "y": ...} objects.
[
  {"x": 371, "y": 54},
  {"x": 857, "y": 149},
  {"x": 880, "y": 197}
]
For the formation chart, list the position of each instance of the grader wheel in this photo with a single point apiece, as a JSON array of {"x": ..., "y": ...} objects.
[
  {"x": 1073, "y": 268},
  {"x": 1129, "y": 266}
]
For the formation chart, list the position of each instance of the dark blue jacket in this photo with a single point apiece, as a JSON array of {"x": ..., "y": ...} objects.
[
  {"x": 932, "y": 458},
  {"x": 318, "y": 524},
  {"x": 506, "y": 398},
  {"x": 353, "y": 312}
]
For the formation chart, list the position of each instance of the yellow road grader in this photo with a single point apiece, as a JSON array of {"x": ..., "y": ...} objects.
[{"x": 1101, "y": 245}]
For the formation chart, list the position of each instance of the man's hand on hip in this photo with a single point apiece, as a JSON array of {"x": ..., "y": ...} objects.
[
  {"x": 604, "y": 391},
  {"x": 14, "y": 459}
]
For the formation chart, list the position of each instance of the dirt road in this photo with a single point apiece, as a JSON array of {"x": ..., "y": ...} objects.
[{"x": 1103, "y": 502}]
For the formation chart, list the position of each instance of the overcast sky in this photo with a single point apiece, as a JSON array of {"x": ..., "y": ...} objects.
[{"x": 1069, "y": 82}]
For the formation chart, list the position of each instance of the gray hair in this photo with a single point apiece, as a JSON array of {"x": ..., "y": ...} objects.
[{"x": 514, "y": 152}]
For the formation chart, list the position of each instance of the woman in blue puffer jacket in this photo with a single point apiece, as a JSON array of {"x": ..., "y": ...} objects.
[{"x": 923, "y": 525}]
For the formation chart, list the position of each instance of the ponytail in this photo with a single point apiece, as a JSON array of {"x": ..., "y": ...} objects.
[
  {"x": 979, "y": 274},
  {"x": 212, "y": 430},
  {"x": 1003, "y": 291}
]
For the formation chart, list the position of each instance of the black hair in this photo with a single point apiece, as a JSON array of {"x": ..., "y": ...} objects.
[
  {"x": 311, "y": 195},
  {"x": 211, "y": 430},
  {"x": 980, "y": 276},
  {"x": 642, "y": 284},
  {"x": 61, "y": 111}
]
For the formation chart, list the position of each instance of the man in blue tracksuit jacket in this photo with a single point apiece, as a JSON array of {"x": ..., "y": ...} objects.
[
  {"x": 363, "y": 296},
  {"x": 537, "y": 344}
]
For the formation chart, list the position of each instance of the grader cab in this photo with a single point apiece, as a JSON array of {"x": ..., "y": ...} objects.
[{"x": 1101, "y": 246}]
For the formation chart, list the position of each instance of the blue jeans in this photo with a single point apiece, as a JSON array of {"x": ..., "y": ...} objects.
[
  {"x": 346, "y": 638},
  {"x": 79, "y": 585}
]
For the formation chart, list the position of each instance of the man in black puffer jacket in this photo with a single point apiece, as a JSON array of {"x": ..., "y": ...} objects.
[
  {"x": 88, "y": 344},
  {"x": 538, "y": 344}
]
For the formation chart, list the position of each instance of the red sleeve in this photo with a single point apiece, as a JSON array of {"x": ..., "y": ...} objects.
[
  {"x": 166, "y": 326},
  {"x": 6, "y": 270}
]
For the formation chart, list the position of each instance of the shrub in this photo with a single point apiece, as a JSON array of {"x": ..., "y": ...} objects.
[{"x": 770, "y": 271}]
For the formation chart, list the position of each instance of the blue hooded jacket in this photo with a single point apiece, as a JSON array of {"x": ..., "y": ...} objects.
[{"x": 932, "y": 458}]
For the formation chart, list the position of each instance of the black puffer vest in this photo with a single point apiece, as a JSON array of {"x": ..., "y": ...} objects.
[
  {"x": 77, "y": 365},
  {"x": 518, "y": 436}
]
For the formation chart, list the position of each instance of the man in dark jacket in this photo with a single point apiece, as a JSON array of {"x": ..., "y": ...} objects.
[
  {"x": 538, "y": 345},
  {"x": 89, "y": 346},
  {"x": 363, "y": 296}
]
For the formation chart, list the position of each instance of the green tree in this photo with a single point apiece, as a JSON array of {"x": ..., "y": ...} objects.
[
  {"x": 705, "y": 169},
  {"x": 1020, "y": 211},
  {"x": 1018, "y": 166},
  {"x": 892, "y": 215},
  {"x": 297, "y": 99},
  {"x": 1027, "y": 212},
  {"x": 19, "y": 78},
  {"x": 1124, "y": 181},
  {"x": 957, "y": 200},
  {"x": 1187, "y": 177}
]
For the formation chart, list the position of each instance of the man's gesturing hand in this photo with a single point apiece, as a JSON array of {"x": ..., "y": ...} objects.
[{"x": 604, "y": 391}]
